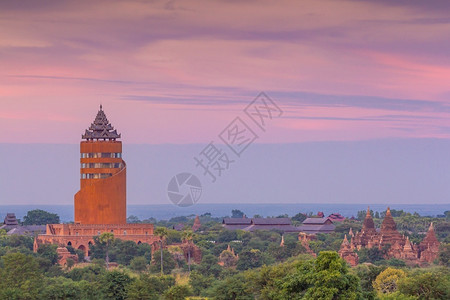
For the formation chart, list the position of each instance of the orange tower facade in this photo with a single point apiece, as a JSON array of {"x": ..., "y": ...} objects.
[
  {"x": 100, "y": 204},
  {"x": 102, "y": 195}
]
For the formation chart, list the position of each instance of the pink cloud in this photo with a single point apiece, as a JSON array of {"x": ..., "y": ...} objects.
[{"x": 59, "y": 63}]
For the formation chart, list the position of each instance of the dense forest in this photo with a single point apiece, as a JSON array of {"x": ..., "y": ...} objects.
[{"x": 234, "y": 265}]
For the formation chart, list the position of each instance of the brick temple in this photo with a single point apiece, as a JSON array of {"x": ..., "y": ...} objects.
[
  {"x": 389, "y": 239},
  {"x": 100, "y": 204}
]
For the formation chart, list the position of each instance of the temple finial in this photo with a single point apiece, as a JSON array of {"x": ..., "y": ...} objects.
[{"x": 101, "y": 107}]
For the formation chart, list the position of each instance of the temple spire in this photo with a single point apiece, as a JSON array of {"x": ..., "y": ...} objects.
[
  {"x": 101, "y": 129},
  {"x": 345, "y": 241},
  {"x": 388, "y": 211}
]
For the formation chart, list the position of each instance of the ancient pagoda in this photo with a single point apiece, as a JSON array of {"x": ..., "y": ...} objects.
[{"x": 389, "y": 240}]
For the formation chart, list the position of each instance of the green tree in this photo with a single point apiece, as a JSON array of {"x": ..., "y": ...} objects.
[
  {"x": 200, "y": 282},
  {"x": 444, "y": 255},
  {"x": 123, "y": 251},
  {"x": 168, "y": 261},
  {"x": 48, "y": 251},
  {"x": 427, "y": 285},
  {"x": 226, "y": 236},
  {"x": 115, "y": 284},
  {"x": 253, "y": 258},
  {"x": 139, "y": 264},
  {"x": 77, "y": 252},
  {"x": 61, "y": 288},
  {"x": 386, "y": 282},
  {"x": 300, "y": 217},
  {"x": 106, "y": 238},
  {"x": 368, "y": 273},
  {"x": 90, "y": 273},
  {"x": 40, "y": 217},
  {"x": 396, "y": 296},
  {"x": 146, "y": 287},
  {"x": 133, "y": 220},
  {"x": 149, "y": 287},
  {"x": 331, "y": 280},
  {"x": 326, "y": 278},
  {"x": 231, "y": 288},
  {"x": 162, "y": 233},
  {"x": 187, "y": 237},
  {"x": 236, "y": 213},
  {"x": 209, "y": 266},
  {"x": 250, "y": 259},
  {"x": 177, "y": 292},
  {"x": 20, "y": 277}
]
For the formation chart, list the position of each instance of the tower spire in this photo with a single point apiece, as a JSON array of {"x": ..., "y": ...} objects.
[{"x": 101, "y": 128}]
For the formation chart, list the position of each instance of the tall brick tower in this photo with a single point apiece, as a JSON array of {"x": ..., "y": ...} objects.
[
  {"x": 102, "y": 195},
  {"x": 100, "y": 204}
]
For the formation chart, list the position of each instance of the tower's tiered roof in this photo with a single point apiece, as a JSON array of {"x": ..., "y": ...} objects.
[{"x": 101, "y": 129}]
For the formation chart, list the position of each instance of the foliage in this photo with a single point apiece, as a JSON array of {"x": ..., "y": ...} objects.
[
  {"x": 250, "y": 259},
  {"x": 78, "y": 252},
  {"x": 119, "y": 251},
  {"x": 40, "y": 217},
  {"x": 62, "y": 288},
  {"x": 177, "y": 292},
  {"x": 396, "y": 296},
  {"x": 20, "y": 277},
  {"x": 233, "y": 287},
  {"x": 265, "y": 270},
  {"x": 162, "y": 233},
  {"x": 114, "y": 285},
  {"x": 138, "y": 264},
  {"x": 300, "y": 217},
  {"x": 236, "y": 213},
  {"x": 89, "y": 273},
  {"x": 367, "y": 274},
  {"x": 386, "y": 281},
  {"x": 48, "y": 251},
  {"x": 426, "y": 285},
  {"x": 226, "y": 236},
  {"x": 361, "y": 214},
  {"x": 372, "y": 255},
  {"x": 149, "y": 287},
  {"x": 168, "y": 262},
  {"x": 326, "y": 277},
  {"x": 444, "y": 255},
  {"x": 200, "y": 282},
  {"x": 209, "y": 266}
]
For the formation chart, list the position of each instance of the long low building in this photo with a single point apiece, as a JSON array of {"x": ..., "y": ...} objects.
[
  {"x": 253, "y": 224},
  {"x": 317, "y": 225}
]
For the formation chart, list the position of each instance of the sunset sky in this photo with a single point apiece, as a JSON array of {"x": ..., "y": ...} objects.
[
  {"x": 179, "y": 71},
  {"x": 364, "y": 87}
]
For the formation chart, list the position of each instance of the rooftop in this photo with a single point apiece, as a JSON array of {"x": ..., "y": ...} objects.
[
  {"x": 101, "y": 129},
  {"x": 318, "y": 221}
]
